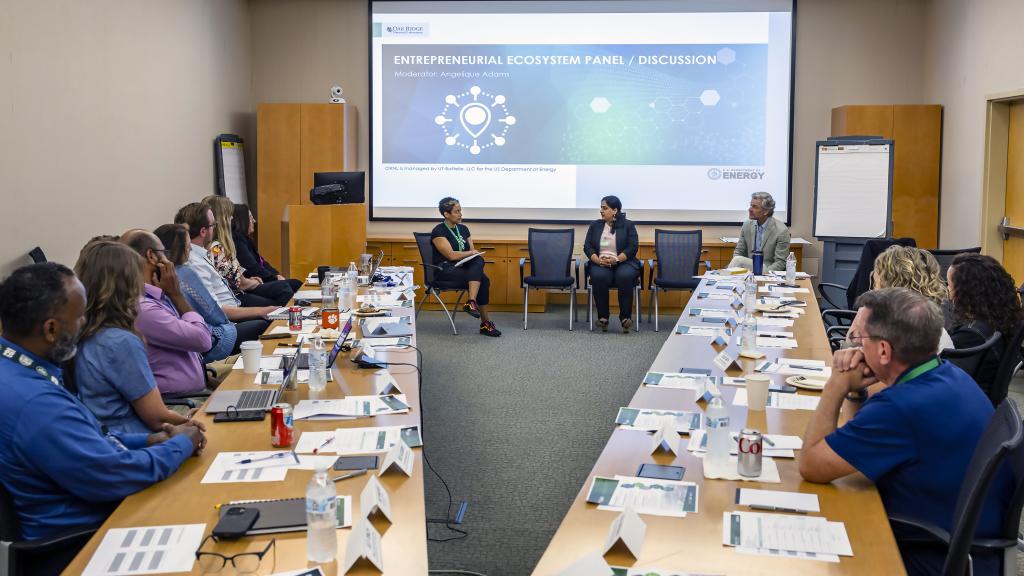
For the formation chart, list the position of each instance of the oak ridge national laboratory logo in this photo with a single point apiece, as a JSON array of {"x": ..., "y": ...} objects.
[{"x": 475, "y": 120}]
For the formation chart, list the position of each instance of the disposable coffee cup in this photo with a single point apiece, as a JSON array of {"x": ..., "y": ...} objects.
[
  {"x": 251, "y": 352},
  {"x": 757, "y": 391}
]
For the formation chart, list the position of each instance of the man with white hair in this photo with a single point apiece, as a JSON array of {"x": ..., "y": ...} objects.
[{"x": 762, "y": 233}]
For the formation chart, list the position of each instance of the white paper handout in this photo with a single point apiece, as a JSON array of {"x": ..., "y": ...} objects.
[
  {"x": 712, "y": 313},
  {"x": 350, "y": 441},
  {"x": 363, "y": 544},
  {"x": 654, "y": 496},
  {"x": 761, "y": 530},
  {"x": 685, "y": 330},
  {"x": 773, "y": 342},
  {"x": 263, "y": 466},
  {"x": 774, "y": 289},
  {"x": 728, "y": 471},
  {"x": 764, "y": 322},
  {"x": 777, "y": 500},
  {"x": 795, "y": 367},
  {"x": 652, "y": 419},
  {"x": 677, "y": 380},
  {"x": 785, "y": 401},
  {"x": 351, "y": 407},
  {"x": 782, "y": 449},
  {"x": 146, "y": 550}
]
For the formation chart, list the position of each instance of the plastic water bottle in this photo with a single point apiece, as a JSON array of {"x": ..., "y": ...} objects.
[
  {"x": 749, "y": 293},
  {"x": 716, "y": 423},
  {"x": 748, "y": 331},
  {"x": 791, "y": 268},
  {"x": 327, "y": 292},
  {"x": 317, "y": 365},
  {"x": 353, "y": 284},
  {"x": 321, "y": 517},
  {"x": 344, "y": 292}
]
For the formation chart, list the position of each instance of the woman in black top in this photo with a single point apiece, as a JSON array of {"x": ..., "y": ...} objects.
[
  {"x": 452, "y": 243},
  {"x": 984, "y": 300},
  {"x": 611, "y": 246},
  {"x": 243, "y": 226}
]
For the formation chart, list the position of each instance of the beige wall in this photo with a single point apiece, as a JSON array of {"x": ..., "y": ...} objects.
[
  {"x": 864, "y": 52},
  {"x": 973, "y": 49},
  {"x": 108, "y": 111}
]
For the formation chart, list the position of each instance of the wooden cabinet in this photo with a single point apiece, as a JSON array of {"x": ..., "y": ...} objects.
[{"x": 916, "y": 131}]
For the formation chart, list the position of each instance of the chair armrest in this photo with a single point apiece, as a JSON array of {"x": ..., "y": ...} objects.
[
  {"x": 924, "y": 531},
  {"x": 179, "y": 402},
  {"x": 835, "y": 317},
  {"x": 831, "y": 286},
  {"x": 707, "y": 266},
  {"x": 992, "y": 544},
  {"x": 76, "y": 537},
  {"x": 576, "y": 270},
  {"x": 651, "y": 263},
  {"x": 522, "y": 265},
  {"x": 836, "y": 331}
]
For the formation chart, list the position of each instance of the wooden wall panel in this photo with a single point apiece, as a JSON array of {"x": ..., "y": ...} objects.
[
  {"x": 331, "y": 235},
  {"x": 277, "y": 172},
  {"x": 322, "y": 135},
  {"x": 917, "y": 131},
  {"x": 1013, "y": 249},
  {"x": 862, "y": 121}
]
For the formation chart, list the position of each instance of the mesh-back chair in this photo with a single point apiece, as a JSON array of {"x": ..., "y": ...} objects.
[
  {"x": 37, "y": 256},
  {"x": 34, "y": 557},
  {"x": 833, "y": 295},
  {"x": 432, "y": 286},
  {"x": 590, "y": 296},
  {"x": 552, "y": 266},
  {"x": 945, "y": 257},
  {"x": 971, "y": 359},
  {"x": 1001, "y": 442},
  {"x": 1009, "y": 364},
  {"x": 677, "y": 261},
  {"x": 837, "y": 324}
]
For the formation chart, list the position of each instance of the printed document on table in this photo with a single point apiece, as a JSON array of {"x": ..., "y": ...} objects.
[
  {"x": 146, "y": 550},
  {"x": 780, "y": 400},
  {"x": 644, "y": 495},
  {"x": 350, "y": 441},
  {"x": 351, "y": 407},
  {"x": 696, "y": 330},
  {"x": 266, "y": 362},
  {"x": 652, "y": 420},
  {"x": 774, "y": 342},
  {"x": 777, "y": 500},
  {"x": 795, "y": 367},
  {"x": 761, "y": 530},
  {"x": 264, "y": 466},
  {"x": 311, "y": 295},
  {"x": 697, "y": 383},
  {"x": 699, "y": 445},
  {"x": 764, "y": 322}
]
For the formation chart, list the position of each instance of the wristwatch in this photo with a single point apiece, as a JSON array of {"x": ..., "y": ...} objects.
[{"x": 859, "y": 396}]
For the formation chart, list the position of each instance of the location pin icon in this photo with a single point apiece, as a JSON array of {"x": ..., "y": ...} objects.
[{"x": 475, "y": 118}]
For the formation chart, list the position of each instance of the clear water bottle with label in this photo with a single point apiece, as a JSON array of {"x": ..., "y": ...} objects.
[
  {"x": 716, "y": 423},
  {"x": 353, "y": 282},
  {"x": 791, "y": 268},
  {"x": 327, "y": 291},
  {"x": 321, "y": 517},
  {"x": 317, "y": 365},
  {"x": 749, "y": 293},
  {"x": 748, "y": 332}
]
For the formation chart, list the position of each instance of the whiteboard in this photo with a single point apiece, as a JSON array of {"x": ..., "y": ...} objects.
[
  {"x": 231, "y": 168},
  {"x": 853, "y": 190}
]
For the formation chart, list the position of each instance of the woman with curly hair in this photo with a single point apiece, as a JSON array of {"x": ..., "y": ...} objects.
[
  {"x": 916, "y": 269},
  {"x": 985, "y": 300}
]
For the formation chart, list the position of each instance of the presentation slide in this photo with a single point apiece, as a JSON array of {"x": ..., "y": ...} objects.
[{"x": 533, "y": 111}]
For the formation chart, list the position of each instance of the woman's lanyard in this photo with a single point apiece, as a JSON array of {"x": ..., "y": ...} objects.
[
  {"x": 24, "y": 360},
  {"x": 458, "y": 236}
]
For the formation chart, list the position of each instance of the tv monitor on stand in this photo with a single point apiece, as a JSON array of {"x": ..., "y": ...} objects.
[{"x": 338, "y": 188}]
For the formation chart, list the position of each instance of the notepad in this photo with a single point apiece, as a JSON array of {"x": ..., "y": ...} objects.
[
  {"x": 286, "y": 515},
  {"x": 777, "y": 500}
]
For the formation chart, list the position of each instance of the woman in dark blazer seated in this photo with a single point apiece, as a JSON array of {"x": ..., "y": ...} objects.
[
  {"x": 243, "y": 226},
  {"x": 984, "y": 300},
  {"x": 452, "y": 243},
  {"x": 611, "y": 246}
]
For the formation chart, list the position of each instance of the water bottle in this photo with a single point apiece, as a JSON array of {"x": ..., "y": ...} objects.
[
  {"x": 353, "y": 283},
  {"x": 716, "y": 423},
  {"x": 343, "y": 290},
  {"x": 791, "y": 268},
  {"x": 748, "y": 331},
  {"x": 317, "y": 365},
  {"x": 749, "y": 293},
  {"x": 321, "y": 517},
  {"x": 327, "y": 292}
]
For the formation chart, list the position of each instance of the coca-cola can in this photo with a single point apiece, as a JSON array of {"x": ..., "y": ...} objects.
[
  {"x": 281, "y": 425},
  {"x": 295, "y": 319},
  {"x": 751, "y": 445}
]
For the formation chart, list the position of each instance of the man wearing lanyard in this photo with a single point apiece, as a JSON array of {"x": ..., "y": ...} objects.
[
  {"x": 762, "y": 233},
  {"x": 915, "y": 436},
  {"x": 62, "y": 470}
]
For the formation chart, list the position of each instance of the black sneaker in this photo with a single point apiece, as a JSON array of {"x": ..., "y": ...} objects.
[
  {"x": 471, "y": 308},
  {"x": 488, "y": 329}
]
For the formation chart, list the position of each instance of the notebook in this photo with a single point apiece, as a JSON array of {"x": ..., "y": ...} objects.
[{"x": 286, "y": 515}]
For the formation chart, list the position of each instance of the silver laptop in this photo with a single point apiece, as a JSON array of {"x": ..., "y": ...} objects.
[
  {"x": 256, "y": 398},
  {"x": 373, "y": 269}
]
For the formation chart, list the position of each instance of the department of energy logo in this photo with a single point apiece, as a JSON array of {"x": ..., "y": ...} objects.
[
  {"x": 475, "y": 120},
  {"x": 736, "y": 173},
  {"x": 714, "y": 173}
]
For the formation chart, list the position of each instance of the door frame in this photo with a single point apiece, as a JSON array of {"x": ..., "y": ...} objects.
[{"x": 997, "y": 136}]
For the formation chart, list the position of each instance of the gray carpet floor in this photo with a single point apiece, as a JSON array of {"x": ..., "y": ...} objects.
[{"x": 514, "y": 425}]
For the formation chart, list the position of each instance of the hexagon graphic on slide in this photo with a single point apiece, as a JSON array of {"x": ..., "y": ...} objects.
[
  {"x": 710, "y": 97},
  {"x": 475, "y": 120},
  {"x": 600, "y": 105},
  {"x": 726, "y": 56}
]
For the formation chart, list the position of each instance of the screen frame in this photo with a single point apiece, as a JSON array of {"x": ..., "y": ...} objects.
[{"x": 369, "y": 170}]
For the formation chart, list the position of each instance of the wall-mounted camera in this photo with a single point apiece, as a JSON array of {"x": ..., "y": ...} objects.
[{"x": 336, "y": 93}]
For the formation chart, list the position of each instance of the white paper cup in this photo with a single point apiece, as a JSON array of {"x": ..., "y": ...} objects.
[
  {"x": 757, "y": 391},
  {"x": 251, "y": 352}
]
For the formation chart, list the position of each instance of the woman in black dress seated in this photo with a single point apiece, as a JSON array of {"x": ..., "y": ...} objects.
[
  {"x": 984, "y": 300},
  {"x": 611, "y": 246},
  {"x": 452, "y": 243},
  {"x": 243, "y": 226}
]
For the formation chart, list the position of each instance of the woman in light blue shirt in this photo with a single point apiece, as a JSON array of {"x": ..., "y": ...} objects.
[{"x": 111, "y": 370}]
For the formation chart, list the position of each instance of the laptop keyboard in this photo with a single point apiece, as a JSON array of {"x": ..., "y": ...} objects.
[{"x": 254, "y": 399}]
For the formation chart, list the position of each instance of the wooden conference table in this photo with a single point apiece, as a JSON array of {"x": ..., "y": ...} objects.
[
  {"x": 181, "y": 499},
  {"x": 694, "y": 543}
]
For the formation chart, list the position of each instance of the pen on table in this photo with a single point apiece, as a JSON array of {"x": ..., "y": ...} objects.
[
  {"x": 271, "y": 457},
  {"x": 325, "y": 443},
  {"x": 777, "y": 509},
  {"x": 353, "y": 474},
  {"x": 802, "y": 367},
  {"x": 288, "y": 345}
]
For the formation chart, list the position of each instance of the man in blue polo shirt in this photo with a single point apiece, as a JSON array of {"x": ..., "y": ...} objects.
[
  {"x": 60, "y": 467},
  {"x": 916, "y": 435}
]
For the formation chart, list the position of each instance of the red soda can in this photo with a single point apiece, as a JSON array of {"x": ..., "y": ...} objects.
[
  {"x": 750, "y": 449},
  {"x": 281, "y": 425},
  {"x": 295, "y": 319}
]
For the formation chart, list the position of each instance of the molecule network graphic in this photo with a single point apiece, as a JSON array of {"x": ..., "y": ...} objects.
[{"x": 474, "y": 120}]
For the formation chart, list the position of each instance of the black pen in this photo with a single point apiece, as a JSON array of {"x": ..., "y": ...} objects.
[
  {"x": 359, "y": 472},
  {"x": 777, "y": 509}
]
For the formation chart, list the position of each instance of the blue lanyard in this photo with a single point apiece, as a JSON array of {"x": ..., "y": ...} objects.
[{"x": 26, "y": 361}]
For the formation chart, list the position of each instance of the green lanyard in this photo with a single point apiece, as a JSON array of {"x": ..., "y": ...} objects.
[
  {"x": 918, "y": 370},
  {"x": 458, "y": 236},
  {"x": 26, "y": 361}
]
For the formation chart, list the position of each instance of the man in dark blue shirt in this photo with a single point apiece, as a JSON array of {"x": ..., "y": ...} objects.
[
  {"x": 60, "y": 467},
  {"x": 916, "y": 434}
]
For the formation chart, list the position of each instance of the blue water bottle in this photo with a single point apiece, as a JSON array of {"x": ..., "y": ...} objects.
[{"x": 758, "y": 258}]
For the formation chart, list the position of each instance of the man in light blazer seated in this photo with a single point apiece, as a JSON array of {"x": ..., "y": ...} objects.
[{"x": 762, "y": 233}]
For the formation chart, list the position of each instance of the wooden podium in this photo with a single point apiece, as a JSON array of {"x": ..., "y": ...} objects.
[{"x": 329, "y": 235}]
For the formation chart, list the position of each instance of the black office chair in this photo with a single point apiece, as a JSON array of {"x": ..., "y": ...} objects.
[
  {"x": 837, "y": 324},
  {"x": 843, "y": 297},
  {"x": 432, "y": 286},
  {"x": 37, "y": 256},
  {"x": 552, "y": 267},
  {"x": 1001, "y": 441},
  {"x": 590, "y": 296},
  {"x": 677, "y": 260},
  {"x": 971, "y": 359},
  {"x": 35, "y": 557},
  {"x": 945, "y": 257},
  {"x": 1009, "y": 364}
]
